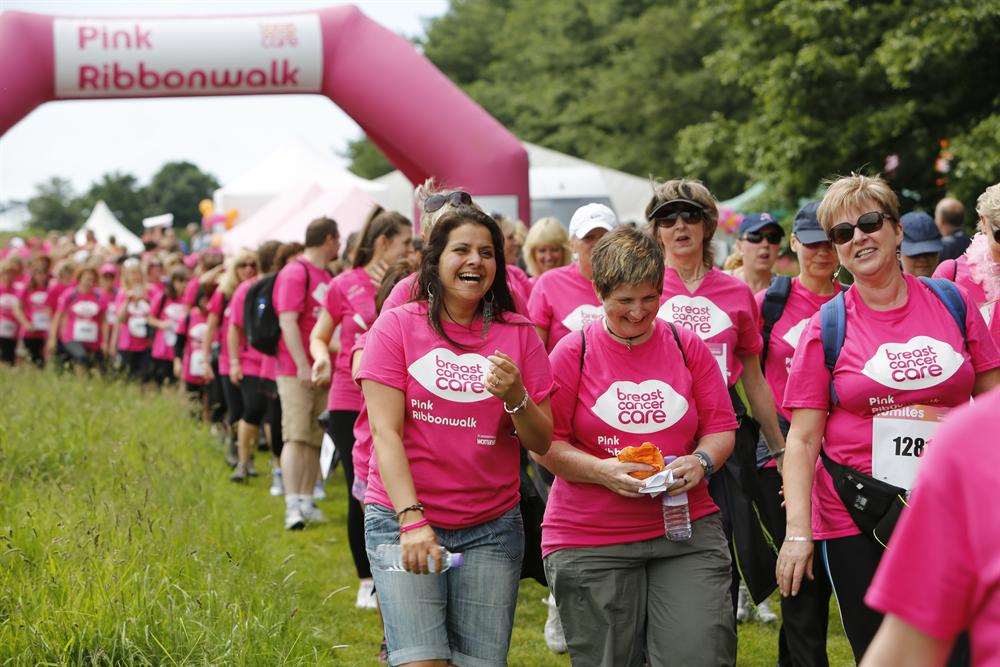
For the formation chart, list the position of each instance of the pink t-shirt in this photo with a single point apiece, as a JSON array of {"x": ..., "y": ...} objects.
[
  {"x": 941, "y": 572},
  {"x": 268, "y": 367},
  {"x": 520, "y": 283},
  {"x": 361, "y": 454},
  {"x": 172, "y": 311},
  {"x": 911, "y": 355},
  {"x": 403, "y": 293},
  {"x": 959, "y": 271},
  {"x": 194, "y": 365},
  {"x": 83, "y": 315},
  {"x": 351, "y": 304},
  {"x": 723, "y": 313},
  {"x": 134, "y": 333},
  {"x": 651, "y": 393},
  {"x": 250, "y": 358},
  {"x": 9, "y": 299},
  {"x": 191, "y": 292},
  {"x": 563, "y": 301},
  {"x": 290, "y": 296},
  {"x": 459, "y": 441},
  {"x": 220, "y": 306},
  {"x": 38, "y": 306}
]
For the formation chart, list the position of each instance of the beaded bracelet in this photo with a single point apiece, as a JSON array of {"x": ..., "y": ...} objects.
[
  {"x": 413, "y": 526},
  {"x": 415, "y": 507}
]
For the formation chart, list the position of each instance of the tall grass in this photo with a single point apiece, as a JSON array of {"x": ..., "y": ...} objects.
[{"x": 121, "y": 542}]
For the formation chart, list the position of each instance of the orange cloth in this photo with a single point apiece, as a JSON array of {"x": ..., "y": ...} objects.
[{"x": 647, "y": 453}]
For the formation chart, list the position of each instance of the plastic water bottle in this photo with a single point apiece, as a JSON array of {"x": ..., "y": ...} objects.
[
  {"x": 390, "y": 557},
  {"x": 676, "y": 515}
]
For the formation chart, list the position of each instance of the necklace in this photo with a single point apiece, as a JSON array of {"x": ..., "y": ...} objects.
[{"x": 624, "y": 339}]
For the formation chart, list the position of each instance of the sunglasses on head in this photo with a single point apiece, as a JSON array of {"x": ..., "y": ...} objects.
[
  {"x": 869, "y": 223},
  {"x": 667, "y": 217},
  {"x": 456, "y": 198},
  {"x": 772, "y": 236},
  {"x": 996, "y": 234},
  {"x": 244, "y": 265}
]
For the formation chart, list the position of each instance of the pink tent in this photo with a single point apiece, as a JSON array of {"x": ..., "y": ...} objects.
[
  {"x": 421, "y": 121},
  {"x": 248, "y": 233}
]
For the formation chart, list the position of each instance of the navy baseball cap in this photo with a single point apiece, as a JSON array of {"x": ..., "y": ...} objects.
[
  {"x": 920, "y": 234},
  {"x": 753, "y": 222},
  {"x": 806, "y": 227}
]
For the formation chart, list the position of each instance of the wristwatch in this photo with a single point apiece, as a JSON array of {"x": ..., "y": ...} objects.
[{"x": 706, "y": 463}]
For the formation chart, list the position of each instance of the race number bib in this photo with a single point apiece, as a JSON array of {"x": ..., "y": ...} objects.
[
  {"x": 319, "y": 294},
  {"x": 8, "y": 329},
  {"x": 900, "y": 438},
  {"x": 718, "y": 351},
  {"x": 41, "y": 320},
  {"x": 85, "y": 331},
  {"x": 137, "y": 327},
  {"x": 196, "y": 366},
  {"x": 170, "y": 337}
]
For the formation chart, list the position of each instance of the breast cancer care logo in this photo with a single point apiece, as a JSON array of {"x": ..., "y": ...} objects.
[
  {"x": 919, "y": 363},
  {"x": 85, "y": 309},
  {"x": 582, "y": 316},
  {"x": 647, "y": 407},
  {"x": 697, "y": 314},
  {"x": 793, "y": 335},
  {"x": 7, "y": 301},
  {"x": 450, "y": 376}
]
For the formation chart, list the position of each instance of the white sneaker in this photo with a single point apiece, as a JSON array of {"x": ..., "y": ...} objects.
[
  {"x": 310, "y": 512},
  {"x": 765, "y": 614},
  {"x": 277, "y": 483},
  {"x": 743, "y": 605},
  {"x": 555, "y": 638},
  {"x": 294, "y": 519},
  {"x": 366, "y": 595},
  {"x": 319, "y": 492}
]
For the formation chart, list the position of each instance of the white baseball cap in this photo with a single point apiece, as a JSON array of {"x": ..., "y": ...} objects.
[{"x": 589, "y": 217}]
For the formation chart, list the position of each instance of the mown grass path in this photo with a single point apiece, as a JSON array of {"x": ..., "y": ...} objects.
[{"x": 122, "y": 542}]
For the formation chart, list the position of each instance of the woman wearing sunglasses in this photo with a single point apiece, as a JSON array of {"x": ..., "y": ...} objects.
[
  {"x": 721, "y": 310},
  {"x": 756, "y": 250},
  {"x": 978, "y": 270},
  {"x": 872, "y": 373}
]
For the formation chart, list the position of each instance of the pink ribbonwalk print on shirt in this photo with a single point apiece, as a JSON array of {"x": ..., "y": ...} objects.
[
  {"x": 911, "y": 355},
  {"x": 624, "y": 397},
  {"x": 299, "y": 288},
  {"x": 563, "y": 301},
  {"x": 722, "y": 312},
  {"x": 463, "y": 455},
  {"x": 941, "y": 572}
]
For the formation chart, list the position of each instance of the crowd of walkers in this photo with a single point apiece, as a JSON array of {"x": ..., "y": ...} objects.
[{"x": 486, "y": 387}]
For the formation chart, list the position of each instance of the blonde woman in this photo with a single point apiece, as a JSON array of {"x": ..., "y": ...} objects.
[
  {"x": 546, "y": 247},
  {"x": 132, "y": 336}
]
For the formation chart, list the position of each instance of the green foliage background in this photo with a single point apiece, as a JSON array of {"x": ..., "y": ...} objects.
[{"x": 788, "y": 92}]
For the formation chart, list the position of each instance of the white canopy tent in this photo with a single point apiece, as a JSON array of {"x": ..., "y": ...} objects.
[
  {"x": 104, "y": 224},
  {"x": 293, "y": 164}
]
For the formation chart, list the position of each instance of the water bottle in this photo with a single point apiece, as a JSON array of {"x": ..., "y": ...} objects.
[
  {"x": 676, "y": 515},
  {"x": 390, "y": 558}
]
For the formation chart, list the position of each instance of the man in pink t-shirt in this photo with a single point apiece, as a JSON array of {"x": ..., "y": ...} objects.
[
  {"x": 941, "y": 573},
  {"x": 299, "y": 293}
]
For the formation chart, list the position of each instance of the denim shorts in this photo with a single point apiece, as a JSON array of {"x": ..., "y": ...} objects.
[{"x": 465, "y": 615}]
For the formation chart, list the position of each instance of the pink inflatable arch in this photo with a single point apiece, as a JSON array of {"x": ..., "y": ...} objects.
[{"x": 417, "y": 117}]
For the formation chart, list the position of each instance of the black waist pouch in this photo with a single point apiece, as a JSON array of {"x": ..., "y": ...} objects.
[{"x": 874, "y": 505}]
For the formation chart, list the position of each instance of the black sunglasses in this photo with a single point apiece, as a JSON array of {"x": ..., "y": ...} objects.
[
  {"x": 773, "y": 236},
  {"x": 869, "y": 223},
  {"x": 244, "y": 265},
  {"x": 996, "y": 234},
  {"x": 668, "y": 219},
  {"x": 456, "y": 198}
]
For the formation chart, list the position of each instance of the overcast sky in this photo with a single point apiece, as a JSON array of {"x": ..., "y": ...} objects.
[{"x": 80, "y": 140}]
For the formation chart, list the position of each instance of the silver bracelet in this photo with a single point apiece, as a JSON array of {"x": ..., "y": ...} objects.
[
  {"x": 797, "y": 538},
  {"x": 517, "y": 408}
]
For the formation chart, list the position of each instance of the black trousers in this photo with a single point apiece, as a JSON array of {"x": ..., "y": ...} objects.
[
  {"x": 273, "y": 416},
  {"x": 36, "y": 348},
  {"x": 804, "y": 617},
  {"x": 7, "y": 348},
  {"x": 234, "y": 400},
  {"x": 341, "y": 430}
]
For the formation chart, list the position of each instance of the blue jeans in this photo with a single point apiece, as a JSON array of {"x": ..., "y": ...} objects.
[{"x": 465, "y": 615}]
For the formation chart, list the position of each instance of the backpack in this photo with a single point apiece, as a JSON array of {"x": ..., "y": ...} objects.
[
  {"x": 833, "y": 321},
  {"x": 260, "y": 319},
  {"x": 773, "y": 307}
]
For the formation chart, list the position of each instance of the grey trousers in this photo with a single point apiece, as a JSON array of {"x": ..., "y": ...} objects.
[{"x": 670, "y": 599}]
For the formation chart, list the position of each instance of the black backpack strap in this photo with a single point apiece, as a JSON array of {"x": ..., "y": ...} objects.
[{"x": 772, "y": 308}]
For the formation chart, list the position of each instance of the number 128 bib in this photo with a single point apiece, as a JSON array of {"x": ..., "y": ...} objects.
[{"x": 900, "y": 438}]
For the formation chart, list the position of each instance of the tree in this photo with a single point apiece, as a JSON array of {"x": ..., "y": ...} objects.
[
  {"x": 54, "y": 207},
  {"x": 177, "y": 188},
  {"x": 367, "y": 161},
  {"x": 123, "y": 195}
]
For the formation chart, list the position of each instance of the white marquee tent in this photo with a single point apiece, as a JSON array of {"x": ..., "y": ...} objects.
[
  {"x": 291, "y": 165},
  {"x": 104, "y": 224}
]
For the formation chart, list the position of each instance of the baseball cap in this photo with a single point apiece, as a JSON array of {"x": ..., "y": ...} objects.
[
  {"x": 920, "y": 234},
  {"x": 108, "y": 268},
  {"x": 589, "y": 217},
  {"x": 753, "y": 222},
  {"x": 806, "y": 227}
]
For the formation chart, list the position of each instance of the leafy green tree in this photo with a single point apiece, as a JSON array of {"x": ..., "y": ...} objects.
[
  {"x": 367, "y": 161},
  {"x": 177, "y": 188},
  {"x": 54, "y": 207},
  {"x": 123, "y": 195}
]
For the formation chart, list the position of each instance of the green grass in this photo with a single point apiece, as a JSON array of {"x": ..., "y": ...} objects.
[{"x": 121, "y": 542}]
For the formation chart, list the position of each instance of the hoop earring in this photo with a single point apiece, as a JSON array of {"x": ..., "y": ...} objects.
[
  {"x": 430, "y": 301},
  {"x": 488, "y": 311},
  {"x": 836, "y": 274}
]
